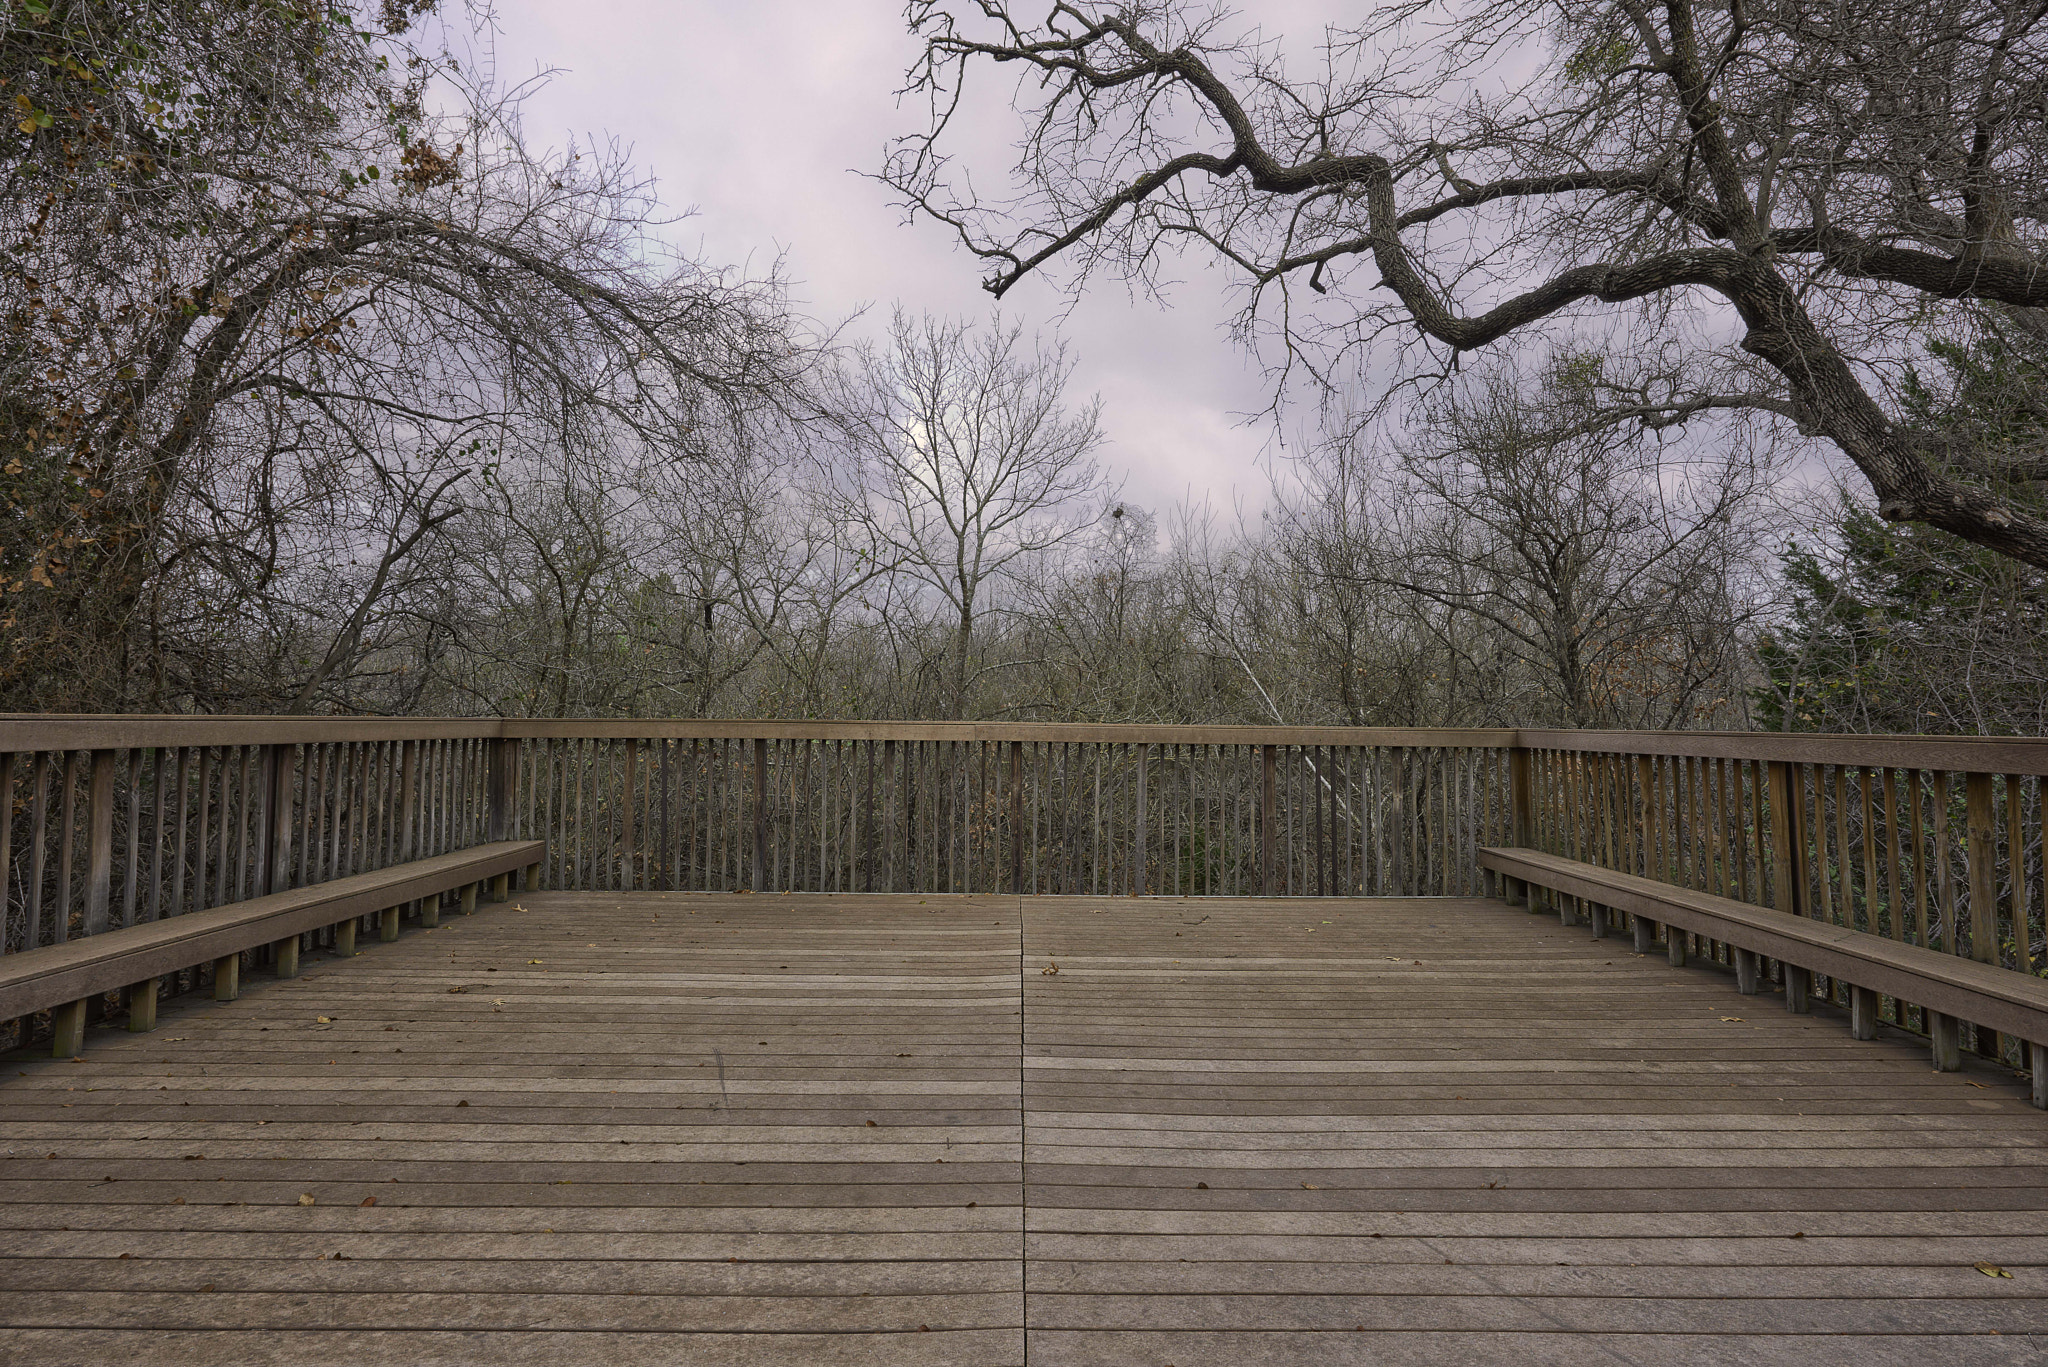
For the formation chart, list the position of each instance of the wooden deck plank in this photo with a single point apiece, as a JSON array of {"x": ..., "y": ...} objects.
[
  {"x": 764, "y": 1131},
  {"x": 1475, "y": 1135},
  {"x": 873, "y": 1129}
]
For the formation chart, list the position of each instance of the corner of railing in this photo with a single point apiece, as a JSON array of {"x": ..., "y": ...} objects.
[
  {"x": 504, "y": 787},
  {"x": 1521, "y": 814}
]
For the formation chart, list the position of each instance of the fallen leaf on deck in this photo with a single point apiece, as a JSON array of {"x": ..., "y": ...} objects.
[
  {"x": 306, "y": 1198},
  {"x": 367, "y": 1201},
  {"x": 1731, "y": 1018},
  {"x": 1992, "y": 1270}
]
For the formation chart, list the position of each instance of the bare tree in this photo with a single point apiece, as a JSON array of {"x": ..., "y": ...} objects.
[
  {"x": 964, "y": 461},
  {"x": 280, "y": 278},
  {"x": 1828, "y": 179},
  {"x": 1617, "y": 582}
]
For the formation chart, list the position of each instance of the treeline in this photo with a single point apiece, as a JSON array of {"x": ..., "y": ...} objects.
[{"x": 325, "y": 393}]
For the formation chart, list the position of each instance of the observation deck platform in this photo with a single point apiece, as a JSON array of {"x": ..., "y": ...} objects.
[{"x": 661, "y": 1128}]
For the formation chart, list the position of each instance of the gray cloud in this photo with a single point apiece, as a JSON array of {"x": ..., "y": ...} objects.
[{"x": 760, "y": 114}]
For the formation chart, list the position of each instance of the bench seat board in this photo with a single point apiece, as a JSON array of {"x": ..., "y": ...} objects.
[
  {"x": 1985, "y": 994},
  {"x": 55, "y": 974}
]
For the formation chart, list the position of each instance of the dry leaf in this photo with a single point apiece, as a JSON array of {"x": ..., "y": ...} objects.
[
  {"x": 1731, "y": 1018},
  {"x": 1992, "y": 1270},
  {"x": 1310, "y": 1186},
  {"x": 367, "y": 1201},
  {"x": 458, "y": 989},
  {"x": 533, "y": 961},
  {"x": 306, "y": 1198},
  {"x": 1050, "y": 969},
  {"x": 323, "y": 1020}
]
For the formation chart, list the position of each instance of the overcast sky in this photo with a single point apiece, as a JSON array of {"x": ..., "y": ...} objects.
[{"x": 759, "y": 113}]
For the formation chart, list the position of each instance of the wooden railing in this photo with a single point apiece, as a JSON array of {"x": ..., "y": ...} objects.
[
  {"x": 117, "y": 821},
  {"x": 1926, "y": 841},
  {"x": 1108, "y": 810}
]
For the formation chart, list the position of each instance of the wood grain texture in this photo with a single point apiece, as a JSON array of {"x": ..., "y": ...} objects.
[
  {"x": 1983, "y": 993},
  {"x": 626, "y": 1128},
  {"x": 44, "y": 977}
]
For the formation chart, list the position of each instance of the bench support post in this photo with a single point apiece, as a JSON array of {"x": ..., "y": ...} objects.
[
  {"x": 67, "y": 1029},
  {"x": 345, "y": 937},
  {"x": 142, "y": 1005},
  {"x": 1745, "y": 973},
  {"x": 1646, "y": 934},
  {"x": 287, "y": 951},
  {"x": 430, "y": 909},
  {"x": 501, "y": 887},
  {"x": 2037, "y": 1062},
  {"x": 1597, "y": 915},
  {"x": 1862, "y": 1013},
  {"x": 387, "y": 924},
  {"x": 1798, "y": 984},
  {"x": 530, "y": 878},
  {"x": 1945, "y": 1038},
  {"x": 1515, "y": 891},
  {"x": 1674, "y": 945},
  {"x": 227, "y": 977},
  {"x": 469, "y": 898}
]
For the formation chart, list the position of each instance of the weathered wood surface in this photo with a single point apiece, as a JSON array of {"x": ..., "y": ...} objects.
[
  {"x": 44, "y": 977},
  {"x": 869, "y": 1129},
  {"x": 1973, "y": 991}
]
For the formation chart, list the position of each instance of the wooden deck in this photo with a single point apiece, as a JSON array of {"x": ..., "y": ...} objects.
[{"x": 662, "y": 1129}]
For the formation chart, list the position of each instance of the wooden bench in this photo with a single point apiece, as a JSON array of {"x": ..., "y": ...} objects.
[
  {"x": 65, "y": 978},
  {"x": 1949, "y": 989}
]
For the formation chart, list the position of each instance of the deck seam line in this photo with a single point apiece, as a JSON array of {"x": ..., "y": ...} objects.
[{"x": 1023, "y": 1152}]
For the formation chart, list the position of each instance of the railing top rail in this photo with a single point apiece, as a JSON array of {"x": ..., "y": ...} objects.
[
  {"x": 87, "y": 732},
  {"x": 1037, "y": 732},
  {"x": 1980, "y": 754},
  {"x": 1974, "y": 754},
  {"x": 67, "y": 732}
]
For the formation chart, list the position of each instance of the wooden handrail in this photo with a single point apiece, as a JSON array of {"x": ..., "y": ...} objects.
[{"x": 1983, "y": 754}]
